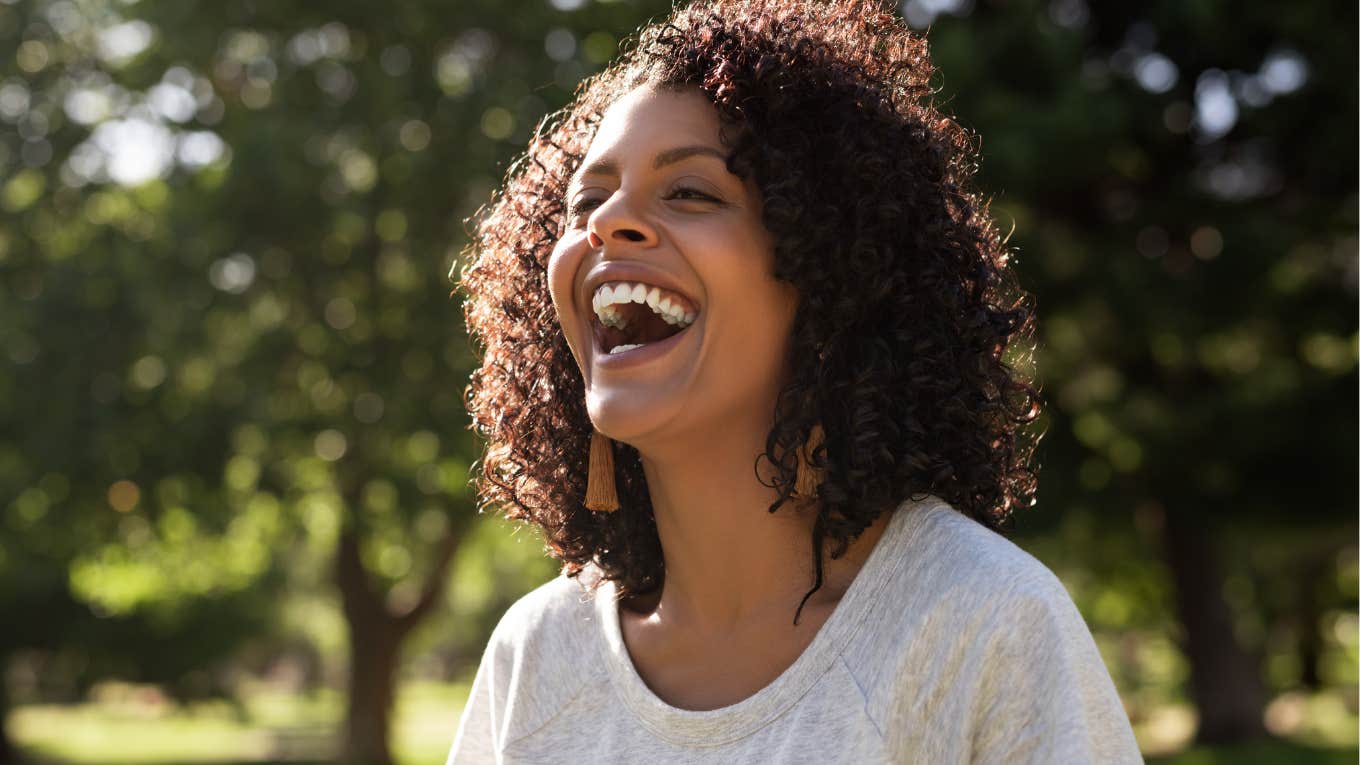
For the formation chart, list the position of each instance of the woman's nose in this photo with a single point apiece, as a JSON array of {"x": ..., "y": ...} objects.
[
  {"x": 625, "y": 234},
  {"x": 616, "y": 222}
]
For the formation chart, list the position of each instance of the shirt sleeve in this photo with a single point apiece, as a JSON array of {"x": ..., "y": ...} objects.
[
  {"x": 474, "y": 743},
  {"x": 1044, "y": 695}
]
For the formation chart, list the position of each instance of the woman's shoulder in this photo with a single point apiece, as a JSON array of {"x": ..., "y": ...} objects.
[
  {"x": 977, "y": 631},
  {"x": 957, "y": 592},
  {"x": 545, "y": 650},
  {"x": 555, "y": 617},
  {"x": 947, "y": 554},
  {"x": 544, "y": 654},
  {"x": 953, "y": 582}
]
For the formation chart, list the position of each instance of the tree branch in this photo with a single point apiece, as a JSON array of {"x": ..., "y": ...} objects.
[{"x": 435, "y": 581}]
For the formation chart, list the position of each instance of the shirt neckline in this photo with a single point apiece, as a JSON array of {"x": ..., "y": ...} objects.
[{"x": 715, "y": 727}]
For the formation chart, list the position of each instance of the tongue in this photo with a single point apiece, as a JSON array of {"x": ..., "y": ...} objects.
[{"x": 644, "y": 326}]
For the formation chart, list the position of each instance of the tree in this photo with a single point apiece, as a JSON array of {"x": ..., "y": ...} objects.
[
  {"x": 1183, "y": 182},
  {"x": 241, "y": 217}
]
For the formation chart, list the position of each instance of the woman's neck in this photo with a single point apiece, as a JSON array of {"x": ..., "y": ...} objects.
[{"x": 729, "y": 562}]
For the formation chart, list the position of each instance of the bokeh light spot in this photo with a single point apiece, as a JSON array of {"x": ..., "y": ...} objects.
[
  {"x": 32, "y": 56},
  {"x": 123, "y": 496},
  {"x": 498, "y": 123},
  {"x": 119, "y": 44},
  {"x": 330, "y": 445},
  {"x": 1206, "y": 242},
  {"x": 414, "y": 135},
  {"x": 600, "y": 46},
  {"x": 148, "y": 372},
  {"x": 1155, "y": 73},
  {"x": 234, "y": 273},
  {"x": 559, "y": 44},
  {"x": 340, "y": 313}
]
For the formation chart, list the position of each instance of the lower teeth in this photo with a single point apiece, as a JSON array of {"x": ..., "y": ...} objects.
[{"x": 622, "y": 348}]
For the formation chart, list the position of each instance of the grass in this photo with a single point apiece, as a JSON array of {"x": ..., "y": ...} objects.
[
  {"x": 123, "y": 725},
  {"x": 1264, "y": 753},
  {"x": 132, "y": 725}
]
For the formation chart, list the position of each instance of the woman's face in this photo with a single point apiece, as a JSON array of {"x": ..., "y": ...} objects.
[{"x": 654, "y": 205}]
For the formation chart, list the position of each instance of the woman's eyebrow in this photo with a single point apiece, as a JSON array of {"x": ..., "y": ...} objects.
[
  {"x": 671, "y": 156},
  {"x": 668, "y": 157}
]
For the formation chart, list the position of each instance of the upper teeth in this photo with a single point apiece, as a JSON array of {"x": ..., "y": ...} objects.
[{"x": 672, "y": 308}]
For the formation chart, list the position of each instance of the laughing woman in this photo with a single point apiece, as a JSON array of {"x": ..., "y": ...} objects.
[{"x": 743, "y": 323}]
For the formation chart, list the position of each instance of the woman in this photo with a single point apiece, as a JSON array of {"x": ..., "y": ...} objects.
[{"x": 743, "y": 324}]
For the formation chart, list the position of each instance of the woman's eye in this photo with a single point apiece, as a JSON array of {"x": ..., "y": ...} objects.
[
  {"x": 688, "y": 193},
  {"x": 581, "y": 207},
  {"x": 584, "y": 206}
]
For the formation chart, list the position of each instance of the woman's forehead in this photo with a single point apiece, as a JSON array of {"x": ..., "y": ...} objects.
[{"x": 649, "y": 120}]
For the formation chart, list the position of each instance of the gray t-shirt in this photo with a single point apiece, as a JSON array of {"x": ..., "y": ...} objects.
[{"x": 951, "y": 645}]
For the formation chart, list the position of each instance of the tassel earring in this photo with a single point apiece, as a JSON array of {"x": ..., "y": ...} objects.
[
  {"x": 805, "y": 485},
  {"x": 601, "y": 494}
]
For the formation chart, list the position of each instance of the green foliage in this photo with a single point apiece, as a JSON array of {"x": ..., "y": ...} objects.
[{"x": 1192, "y": 253}]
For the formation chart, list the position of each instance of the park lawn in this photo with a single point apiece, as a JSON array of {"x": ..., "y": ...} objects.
[
  {"x": 1264, "y": 753},
  {"x": 279, "y": 727},
  {"x": 266, "y": 727}
]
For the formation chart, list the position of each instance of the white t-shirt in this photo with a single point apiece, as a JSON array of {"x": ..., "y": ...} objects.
[{"x": 951, "y": 645}]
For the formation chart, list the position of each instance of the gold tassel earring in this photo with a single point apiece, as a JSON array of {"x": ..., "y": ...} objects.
[
  {"x": 805, "y": 485},
  {"x": 601, "y": 493}
]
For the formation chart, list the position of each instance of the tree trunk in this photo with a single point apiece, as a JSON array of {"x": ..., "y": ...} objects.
[
  {"x": 374, "y": 642},
  {"x": 1314, "y": 569},
  {"x": 1225, "y": 680},
  {"x": 376, "y": 634},
  {"x": 8, "y": 754},
  {"x": 372, "y": 673}
]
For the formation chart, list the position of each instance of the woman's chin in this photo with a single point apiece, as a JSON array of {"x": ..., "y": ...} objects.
[
  {"x": 645, "y": 395},
  {"x": 634, "y": 419}
]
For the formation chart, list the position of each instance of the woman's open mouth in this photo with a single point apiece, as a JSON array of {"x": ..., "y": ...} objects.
[{"x": 635, "y": 319}]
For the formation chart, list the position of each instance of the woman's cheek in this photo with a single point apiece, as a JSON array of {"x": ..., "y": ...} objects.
[{"x": 564, "y": 264}]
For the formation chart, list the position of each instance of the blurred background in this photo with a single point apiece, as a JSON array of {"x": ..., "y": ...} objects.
[{"x": 234, "y": 516}]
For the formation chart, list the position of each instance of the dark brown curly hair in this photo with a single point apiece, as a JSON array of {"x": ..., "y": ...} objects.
[{"x": 907, "y": 306}]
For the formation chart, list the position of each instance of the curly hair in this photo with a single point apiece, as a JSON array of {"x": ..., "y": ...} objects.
[{"x": 907, "y": 306}]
